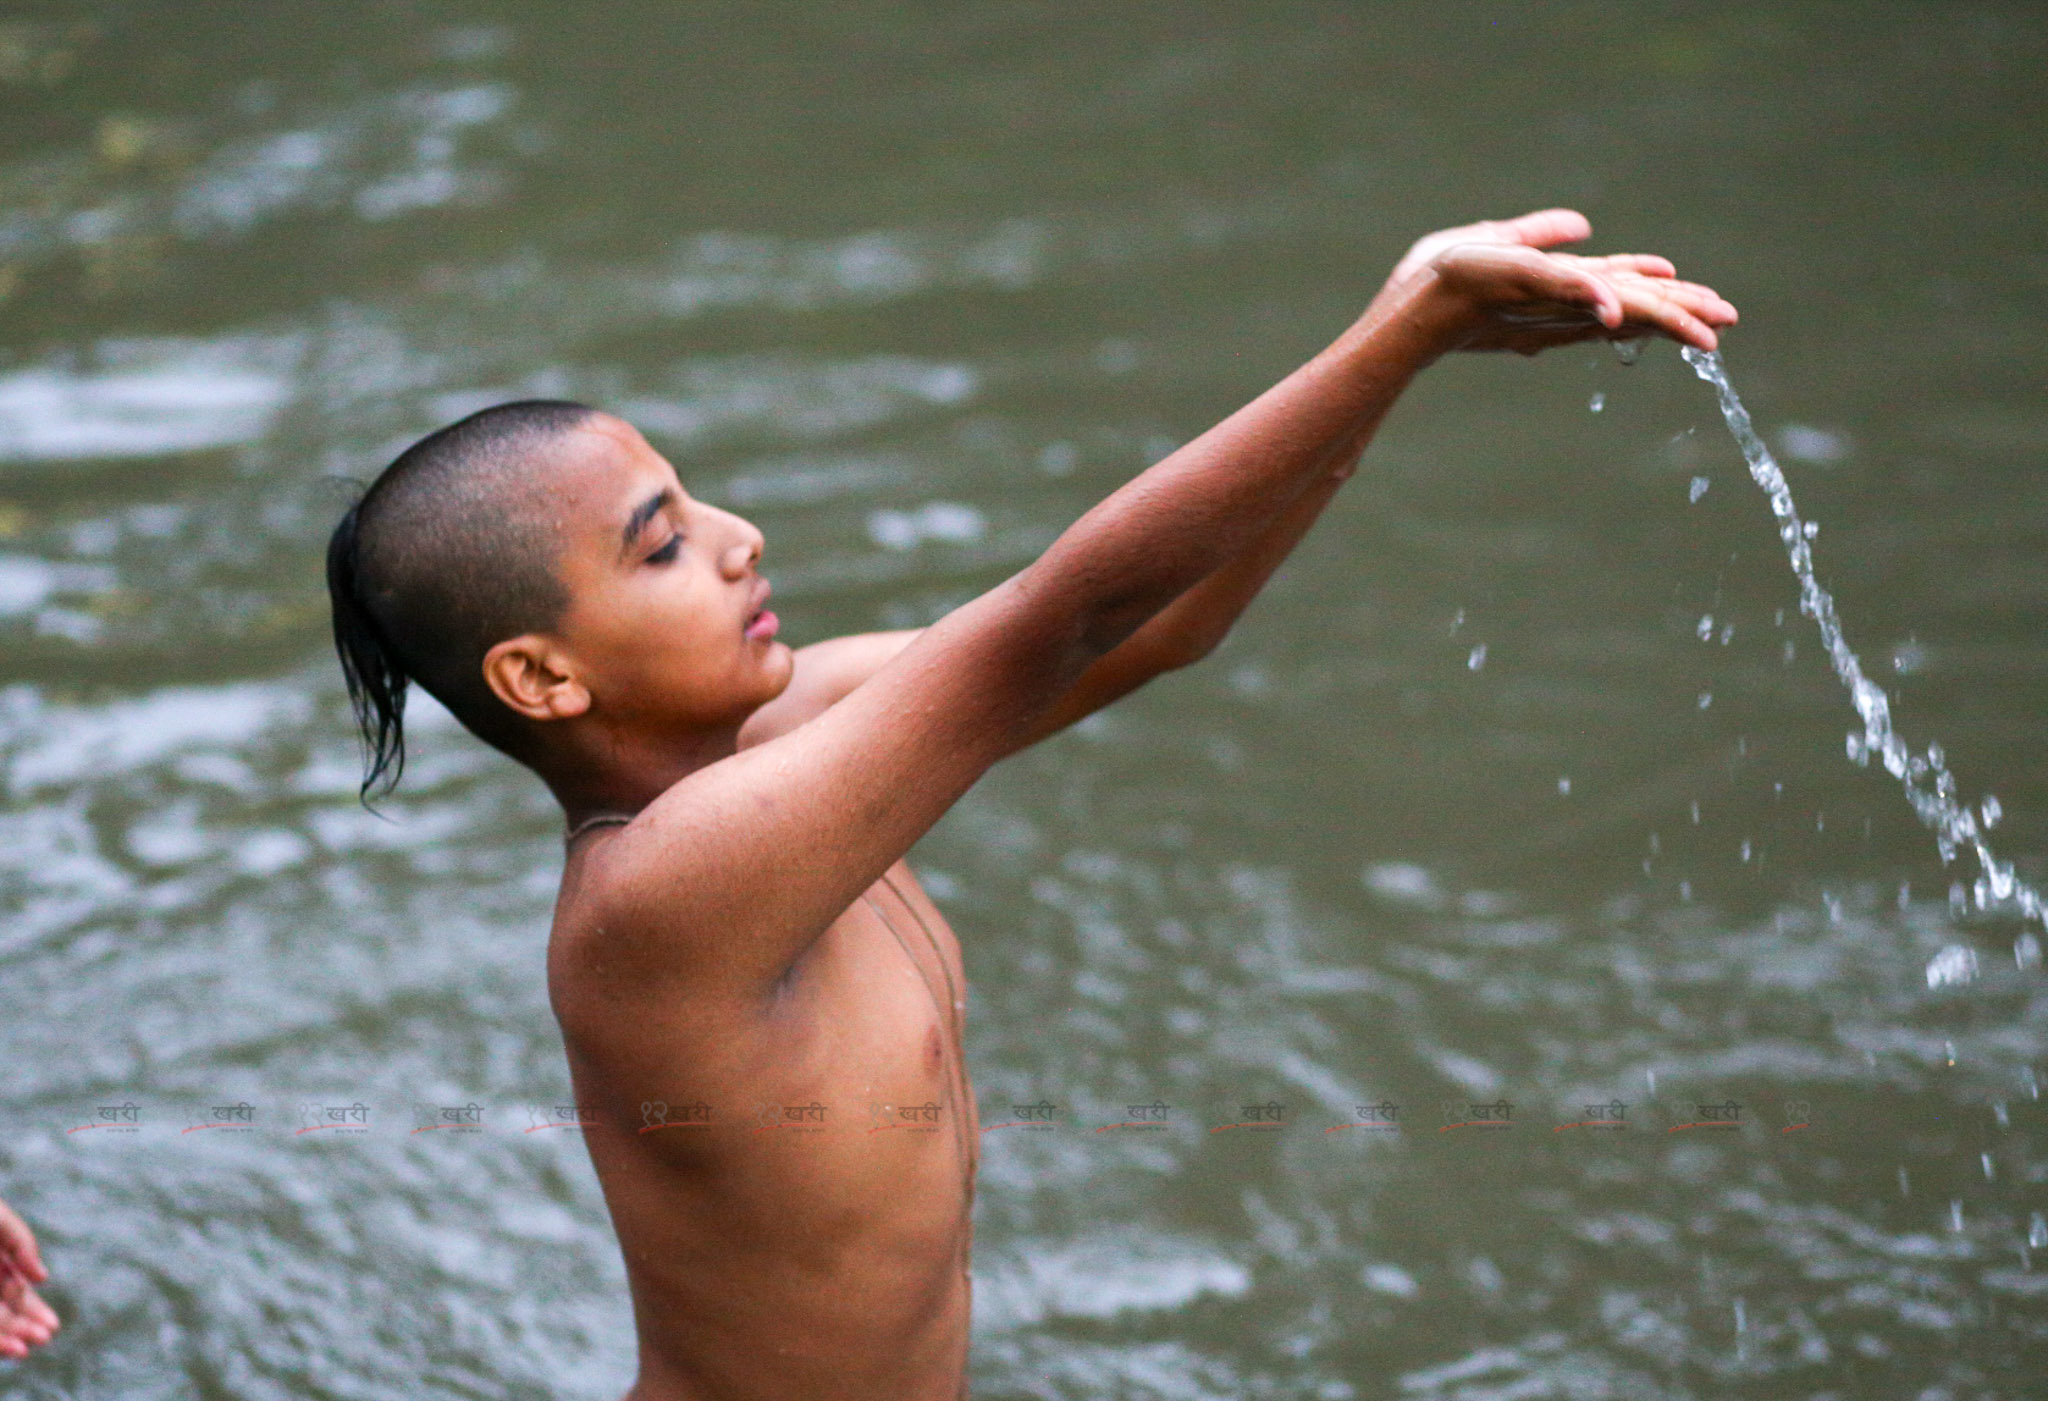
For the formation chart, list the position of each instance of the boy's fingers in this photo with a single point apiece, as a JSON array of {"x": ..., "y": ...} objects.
[
  {"x": 1546, "y": 228},
  {"x": 18, "y": 1245},
  {"x": 1602, "y": 298},
  {"x": 1703, "y": 302},
  {"x": 1647, "y": 264},
  {"x": 1677, "y": 321},
  {"x": 1658, "y": 273}
]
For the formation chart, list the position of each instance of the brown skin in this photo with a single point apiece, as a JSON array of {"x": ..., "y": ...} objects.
[
  {"x": 25, "y": 1320},
  {"x": 751, "y": 940}
]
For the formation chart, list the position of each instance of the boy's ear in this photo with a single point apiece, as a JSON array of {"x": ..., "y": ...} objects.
[{"x": 532, "y": 676}]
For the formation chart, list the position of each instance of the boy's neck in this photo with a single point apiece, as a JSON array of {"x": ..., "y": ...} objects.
[{"x": 611, "y": 774}]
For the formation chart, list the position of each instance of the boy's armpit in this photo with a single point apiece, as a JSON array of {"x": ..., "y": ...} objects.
[{"x": 727, "y": 876}]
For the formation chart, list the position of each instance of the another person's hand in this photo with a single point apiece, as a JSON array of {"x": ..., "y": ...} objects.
[
  {"x": 25, "y": 1320},
  {"x": 1492, "y": 286}
]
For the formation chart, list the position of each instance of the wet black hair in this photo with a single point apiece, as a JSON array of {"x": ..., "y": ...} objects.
[{"x": 448, "y": 552}]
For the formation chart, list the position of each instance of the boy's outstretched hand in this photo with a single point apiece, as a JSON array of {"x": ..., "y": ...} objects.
[
  {"x": 25, "y": 1320},
  {"x": 1492, "y": 286}
]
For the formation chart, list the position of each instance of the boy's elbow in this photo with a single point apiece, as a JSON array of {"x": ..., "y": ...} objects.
[{"x": 1185, "y": 651}]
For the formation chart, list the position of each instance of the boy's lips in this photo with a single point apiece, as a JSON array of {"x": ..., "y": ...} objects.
[{"x": 762, "y": 624}]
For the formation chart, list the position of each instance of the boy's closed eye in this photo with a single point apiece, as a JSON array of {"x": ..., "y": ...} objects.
[{"x": 666, "y": 553}]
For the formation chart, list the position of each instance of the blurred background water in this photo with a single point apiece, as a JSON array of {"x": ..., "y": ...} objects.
[{"x": 1525, "y": 782}]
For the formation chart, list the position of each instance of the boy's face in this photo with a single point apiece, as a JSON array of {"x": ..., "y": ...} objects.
[{"x": 667, "y": 625}]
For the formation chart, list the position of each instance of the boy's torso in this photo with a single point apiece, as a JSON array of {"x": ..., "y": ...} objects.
[{"x": 791, "y": 1180}]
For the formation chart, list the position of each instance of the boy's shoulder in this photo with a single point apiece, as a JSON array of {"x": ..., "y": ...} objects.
[{"x": 825, "y": 674}]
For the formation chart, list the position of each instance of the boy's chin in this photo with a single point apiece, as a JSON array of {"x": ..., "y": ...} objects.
[{"x": 779, "y": 668}]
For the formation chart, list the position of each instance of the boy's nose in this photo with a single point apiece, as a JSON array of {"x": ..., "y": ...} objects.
[{"x": 745, "y": 550}]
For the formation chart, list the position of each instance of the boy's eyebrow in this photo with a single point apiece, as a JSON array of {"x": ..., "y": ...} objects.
[{"x": 643, "y": 513}]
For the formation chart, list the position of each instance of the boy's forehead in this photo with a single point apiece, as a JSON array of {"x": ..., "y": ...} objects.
[{"x": 614, "y": 467}]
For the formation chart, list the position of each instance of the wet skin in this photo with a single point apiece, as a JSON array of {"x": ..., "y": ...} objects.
[{"x": 751, "y": 986}]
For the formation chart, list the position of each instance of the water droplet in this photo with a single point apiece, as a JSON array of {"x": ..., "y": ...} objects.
[
  {"x": 2026, "y": 951},
  {"x": 1788, "y": 651},
  {"x": 1697, "y": 489},
  {"x": 1598, "y": 403},
  {"x": 1998, "y": 1112},
  {"x": 1727, "y": 633},
  {"x": 1905, "y": 1183},
  {"x": 1741, "y": 1318},
  {"x": 1950, "y": 1047},
  {"x": 1706, "y": 699},
  {"x": 1905, "y": 894},
  {"x": 2037, "y": 1232},
  {"x": 1834, "y": 905},
  {"x": 1564, "y": 786},
  {"x": 1953, "y": 966},
  {"x": 1651, "y": 1077},
  {"x": 1992, "y": 811},
  {"x": 1930, "y": 788},
  {"x": 1477, "y": 659},
  {"x": 1629, "y": 351},
  {"x": 1685, "y": 891},
  {"x": 1695, "y": 812},
  {"x": 1745, "y": 850},
  {"x": 1955, "y": 1214},
  {"x": 1706, "y": 626},
  {"x": 1985, "y": 1159},
  {"x": 1457, "y": 621}
]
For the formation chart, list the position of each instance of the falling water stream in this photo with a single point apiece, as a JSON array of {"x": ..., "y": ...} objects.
[
  {"x": 1930, "y": 787},
  {"x": 910, "y": 288}
]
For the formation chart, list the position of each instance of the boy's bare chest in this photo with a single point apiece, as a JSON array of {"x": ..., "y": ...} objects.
[{"x": 875, "y": 1013}]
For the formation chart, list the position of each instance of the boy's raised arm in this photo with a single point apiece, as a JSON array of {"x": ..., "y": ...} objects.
[{"x": 752, "y": 857}]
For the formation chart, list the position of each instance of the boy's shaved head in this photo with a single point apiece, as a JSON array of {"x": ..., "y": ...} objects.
[{"x": 450, "y": 551}]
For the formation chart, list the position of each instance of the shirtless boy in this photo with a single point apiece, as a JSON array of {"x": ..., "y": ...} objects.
[{"x": 750, "y": 983}]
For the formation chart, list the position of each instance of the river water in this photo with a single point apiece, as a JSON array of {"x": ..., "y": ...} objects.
[{"x": 1516, "y": 813}]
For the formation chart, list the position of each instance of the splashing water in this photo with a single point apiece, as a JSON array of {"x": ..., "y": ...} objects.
[{"x": 1930, "y": 787}]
